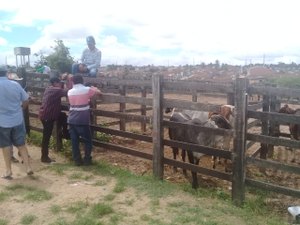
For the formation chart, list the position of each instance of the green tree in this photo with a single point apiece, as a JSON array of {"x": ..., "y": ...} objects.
[{"x": 60, "y": 59}]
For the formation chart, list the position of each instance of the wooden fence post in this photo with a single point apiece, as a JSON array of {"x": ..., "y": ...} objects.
[
  {"x": 93, "y": 117},
  {"x": 265, "y": 128},
  {"x": 230, "y": 98},
  {"x": 157, "y": 131},
  {"x": 143, "y": 109},
  {"x": 21, "y": 72},
  {"x": 122, "y": 92},
  {"x": 194, "y": 96},
  {"x": 274, "y": 127},
  {"x": 57, "y": 136},
  {"x": 239, "y": 142}
]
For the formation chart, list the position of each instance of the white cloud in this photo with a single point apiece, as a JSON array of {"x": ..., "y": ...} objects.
[{"x": 230, "y": 31}]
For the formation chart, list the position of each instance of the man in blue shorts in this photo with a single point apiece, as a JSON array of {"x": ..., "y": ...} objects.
[{"x": 13, "y": 99}]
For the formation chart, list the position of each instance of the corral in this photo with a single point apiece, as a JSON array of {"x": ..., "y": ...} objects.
[{"x": 131, "y": 111}]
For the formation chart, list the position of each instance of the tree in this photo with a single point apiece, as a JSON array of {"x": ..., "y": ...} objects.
[{"x": 60, "y": 59}]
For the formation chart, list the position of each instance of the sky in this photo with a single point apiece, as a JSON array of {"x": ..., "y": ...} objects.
[{"x": 156, "y": 32}]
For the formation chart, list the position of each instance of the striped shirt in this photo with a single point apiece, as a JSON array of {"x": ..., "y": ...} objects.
[
  {"x": 79, "y": 99},
  {"x": 51, "y": 103}
]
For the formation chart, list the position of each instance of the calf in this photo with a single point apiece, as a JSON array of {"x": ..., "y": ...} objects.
[
  {"x": 197, "y": 136},
  {"x": 226, "y": 111}
]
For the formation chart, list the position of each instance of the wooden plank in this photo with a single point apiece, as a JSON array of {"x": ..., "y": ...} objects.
[
  {"x": 129, "y": 117},
  {"x": 122, "y": 92},
  {"x": 182, "y": 104},
  {"x": 273, "y": 140},
  {"x": 191, "y": 86},
  {"x": 144, "y": 110},
  {"x": 253, "y": 123},
  {"x": 274, "y": 165},
  {"x": 255, "y": 107},
  {"x": 36, "y": 129},
  {"x": 272, "y": 187},
  {"x": 278, "y": 117},
  {"x": 157, "y": 131},
  {"x": 128, "y": 151},
  {"x": 129, "y": 82},
  {"x": 256, "y": 152},
  {"x": 120, "y": 133},
  {"x": 265, "y": 127},
  {"x": 198, "y": 169},
  {"x": 274, "y": 91},
  {"x": 217, "y": 131},
  {"x": 199, "y": 148},
  {"x": 250, "y": 144},
  {"x": 239, "y": 142},
  {"x": 110, "y": 98}
]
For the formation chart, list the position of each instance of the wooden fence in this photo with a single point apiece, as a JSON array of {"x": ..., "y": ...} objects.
[{"x": 127, "y": 101}]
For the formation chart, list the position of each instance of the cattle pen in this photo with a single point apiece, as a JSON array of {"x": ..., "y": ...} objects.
[{"x": 141, "y": 101}]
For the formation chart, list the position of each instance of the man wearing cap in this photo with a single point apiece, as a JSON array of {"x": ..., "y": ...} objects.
[
  {"x": 90, "y": 59},
  {"x": 13, "y": 100}
]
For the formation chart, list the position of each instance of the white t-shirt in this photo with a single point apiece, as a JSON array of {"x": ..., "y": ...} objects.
[{"x": 46, "y": 70}]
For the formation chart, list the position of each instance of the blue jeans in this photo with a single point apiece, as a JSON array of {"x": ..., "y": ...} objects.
[
  {"x": 84, "y": 132},
  {"x": 91, "y": 73}
]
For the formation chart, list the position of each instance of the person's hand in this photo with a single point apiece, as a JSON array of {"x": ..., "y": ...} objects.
[{"x": 82, "y": 68}]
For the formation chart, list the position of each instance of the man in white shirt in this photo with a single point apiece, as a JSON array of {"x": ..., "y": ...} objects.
[{"x": 90, "y": 59}]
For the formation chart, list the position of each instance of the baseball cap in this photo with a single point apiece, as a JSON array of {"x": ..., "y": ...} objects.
[
  {"x": 54, "y": 80},
  {"x": 3, "y": 68},
  {"x": 90, "y": 40}
]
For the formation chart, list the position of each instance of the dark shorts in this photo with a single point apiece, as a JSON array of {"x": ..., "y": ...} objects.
[{"x": 12, "y": 136}]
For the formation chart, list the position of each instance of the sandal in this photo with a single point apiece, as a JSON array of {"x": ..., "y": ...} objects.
[
  {"x": 30, "y": 173},
  {"x": 7, "y": 177}
]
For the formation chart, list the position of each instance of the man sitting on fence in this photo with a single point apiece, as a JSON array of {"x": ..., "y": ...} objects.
[{"x": 90, "y": 59}]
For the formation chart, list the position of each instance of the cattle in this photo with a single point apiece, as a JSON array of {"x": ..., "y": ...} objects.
[
  {"x": 197, "y": 135},
  {"x": 226, "y": 111},
  {"x": 293, "y": 128}
]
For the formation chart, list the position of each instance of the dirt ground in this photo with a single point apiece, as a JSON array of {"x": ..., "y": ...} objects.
[{"x": 65, "y": 191}]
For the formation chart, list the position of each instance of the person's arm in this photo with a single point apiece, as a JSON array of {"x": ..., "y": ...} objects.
[
  {"x": 25, "y": 104},
  {"x": 95, "y": 91}
]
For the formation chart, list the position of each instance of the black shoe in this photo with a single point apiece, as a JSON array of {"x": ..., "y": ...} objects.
[
  {"x": 87, "y": 163},
  {"x": 47, "y": 160},
  {"x": 79, "y": 163},
  {"x": 14, "y": 160}
]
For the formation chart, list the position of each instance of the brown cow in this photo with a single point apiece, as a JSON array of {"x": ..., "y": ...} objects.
[{"x": 293, "y": 128}]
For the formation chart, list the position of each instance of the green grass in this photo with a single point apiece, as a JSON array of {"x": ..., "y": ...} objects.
[
  {"x": 55, "y": 209},
  {"x": 101, "y": 209},
  {"x": 28, "y": 219},
  {"x": 77, "y": 207},
  {"x": 29, "y": 193},
  {"x": 3, "y": 222}
]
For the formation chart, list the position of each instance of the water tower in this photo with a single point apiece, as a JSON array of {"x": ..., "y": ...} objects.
[{"x": 21, "y": 53}]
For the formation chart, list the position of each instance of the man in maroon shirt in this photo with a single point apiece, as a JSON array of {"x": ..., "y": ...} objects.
[{"x": 50, "y": 111}]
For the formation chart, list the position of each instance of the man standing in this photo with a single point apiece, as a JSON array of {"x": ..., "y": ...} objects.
[
  {"x": 79, "y": 119},
  {"x": 90, "y": 59},
  {"x": 13, "y": 99},
  {"x": 50, "y": 111}
]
